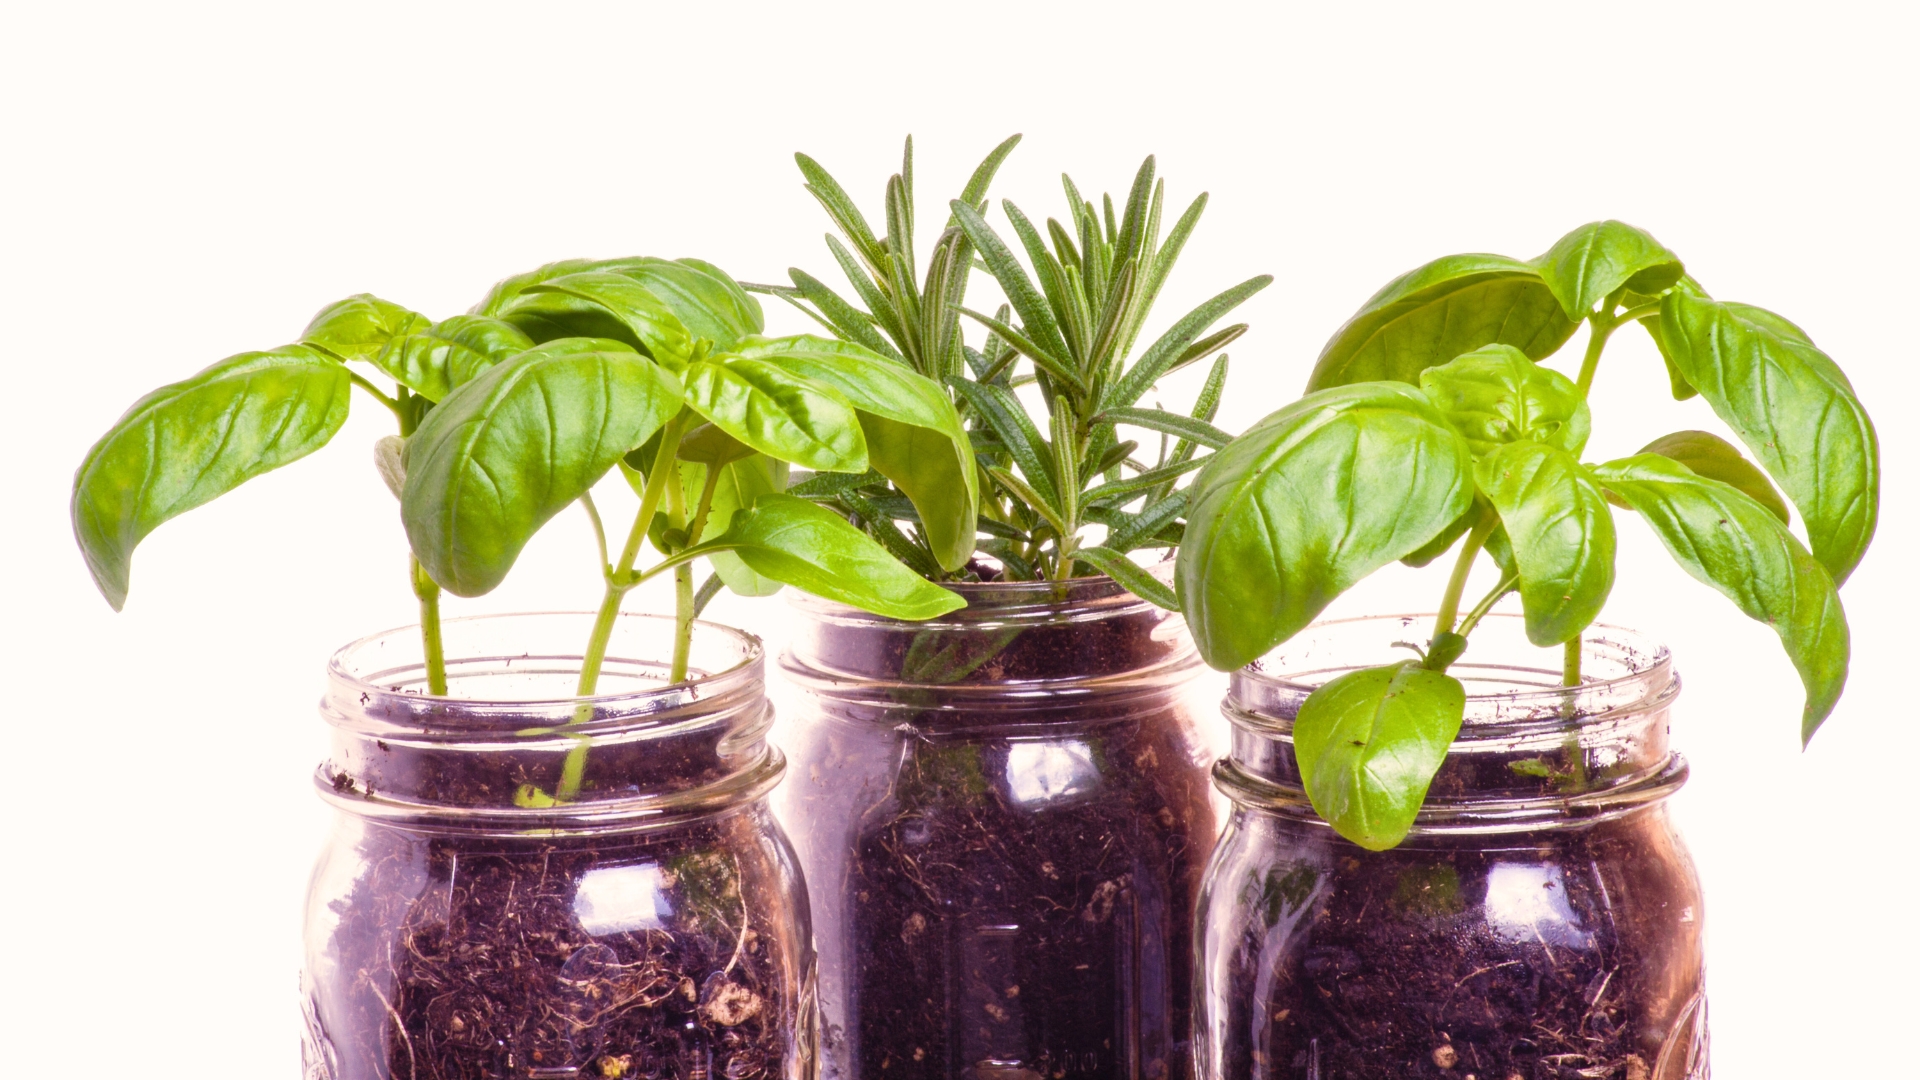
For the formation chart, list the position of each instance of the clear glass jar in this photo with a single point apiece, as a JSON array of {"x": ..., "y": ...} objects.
[
  {"x": 1004, "y": 815},
  {"x": 653, "y": 927},
  {"x": 1542, "y": 920}
]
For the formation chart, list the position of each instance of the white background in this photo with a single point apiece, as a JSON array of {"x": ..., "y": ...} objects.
[{"x": 183, "y": 182}]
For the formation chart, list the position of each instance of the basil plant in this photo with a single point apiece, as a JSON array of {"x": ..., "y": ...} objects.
[
  {"x": 1431, "y": 426},
  {"x": 517, "y": 410},
  {"x": 1042, "y": 479}
]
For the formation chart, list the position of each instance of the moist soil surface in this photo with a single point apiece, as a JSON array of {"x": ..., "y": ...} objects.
[
  {"x": 1564, "y": 961},
  {"x": 473, "y": 957},
  {"x": 1021, "y": 908}
]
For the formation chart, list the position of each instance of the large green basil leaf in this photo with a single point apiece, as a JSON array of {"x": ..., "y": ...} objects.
[
  {"x": 1585, "y": 266},
  {"x": 1725, "y": 538},
  {"x": 192, "y": 441},
  {"x": 596, "y": 303},
  {"x": 813, "y": 548},
  {"x": 778, "y": 413},
  {"x": 1793, "y": 408},
  {"x": 358, "y": 327},
  {"x": 1433, "y": 314},
  {"x": 1310, "y": 500},
  {"x": 705, "y": 299},
  {"x": 433, "y": 361},
  {"x": 742, "y": 480},
  {"x": 504, "y": 453},
  {"x": 1561, "y": 531},
  {"x": 1494, "y": 395},
  {"x": 1713, "y": 457},
  {"x": 506, "y": 289},
  {"x": 914, "y": 435},
  {"x": 1368, "y": 744}
]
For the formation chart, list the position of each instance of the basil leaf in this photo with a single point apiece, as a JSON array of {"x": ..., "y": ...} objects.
[
  {"x": 1730, "y": 541},
  {"x": 190, "y": 442},
  {"x": 1310, "y": 500},
  {"x": 705, "y": 299},
  {"x": 1494, "y": 395},
  {"x": 1434, "y": 313},
  {"x": 506, "y": 290},
  {"x": 1677, "y": 383},
  {"x": 1793, "y": 408},
  {"x": 778, "y": 413},
  {"x": 358, "y": 327},
  {"x": 914, "y": 435},
  {"x": 812, "y": 548},
  {"x": 433, "y": 361},
  {"x": 1368, "y": 744},
  {"x": 1713, "y": 457},
  {"x": 1585, "y": 266},
  {"x": 1561, "y": 532},
  {"x": 742, "y": 480},
  {"x": 597, "y": 303},
  {"x": 504, "y": 453}
]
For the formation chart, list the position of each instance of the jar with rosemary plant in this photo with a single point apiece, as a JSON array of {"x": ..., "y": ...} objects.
[
  {"x": 510, "y": 415},
  {"x": 1003, "y": 811},
  {"x": 1431, "y": 425}
]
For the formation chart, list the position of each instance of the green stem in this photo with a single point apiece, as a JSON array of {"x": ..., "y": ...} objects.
[
  {"x": 359, "y": 381},
  {"x": 1570, "y": 663},
  {"x": 1486, "y": 603},
  {"x": 1462, "y": 566},
  {"x": 599, "y": 531},
  {"x": 1602, "y": 329},
  {"x": 428, "y": 594}
]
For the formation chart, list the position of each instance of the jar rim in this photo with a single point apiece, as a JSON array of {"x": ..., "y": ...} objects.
[{"x": 340, "y": 669}]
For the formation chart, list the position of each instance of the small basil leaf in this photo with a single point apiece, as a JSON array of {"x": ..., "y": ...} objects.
[
  {"x": 1368, "y": 744},
  {"x": 1793, "y": 408},
  {"x": 504, "y": 453},
  {"x": 914, "y": 436},
  {"x": 1438, "y": 311},
  {"x": 1713, "y": 457},
  {"x": 190, "y": 442},
  {"x": 1588, "y": 264},
  {"x": 778, "y": 413},
  {"x": 584, "y": 304},
  {"x": 812, "y": 548},
  {"x": 433, "y": 361},
  {"x": 1495, "y": 395},
  {"x": 1680, "y": 387},
  {"x": 742, "y": 480},
  {"x": 706, "y": 444},
  {"x": 1310, "y": 500},
  {"x": 1725, "y": 538},
  {"x": 358, "y": 327},
  {"x": 1561, "y": 532}
]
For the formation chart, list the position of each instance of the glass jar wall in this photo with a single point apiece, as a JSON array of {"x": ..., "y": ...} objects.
[
  {"x": 1541, "y": 922},
  {"x": 462, "y": 923},
  {"x": 1004, "y": 815}
]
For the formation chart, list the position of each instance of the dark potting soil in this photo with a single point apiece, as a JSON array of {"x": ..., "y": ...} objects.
[
  {"x": 1573, "y": 958},
  {"x": 1020, "y": 904},
  {"x": 663, "y": 955}
]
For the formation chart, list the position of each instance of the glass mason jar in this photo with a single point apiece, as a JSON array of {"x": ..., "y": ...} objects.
[
  {"x": 1541, "y": 921},
  {"x": 460, "y": 923},
  {"x": 1004, "y": 814}
]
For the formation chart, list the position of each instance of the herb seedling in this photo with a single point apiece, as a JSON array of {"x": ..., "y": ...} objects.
[
  {"x": 1076, "y": 329},
  {"x": 1428, "y": 423},
  {"x": 516, "y": 411}
]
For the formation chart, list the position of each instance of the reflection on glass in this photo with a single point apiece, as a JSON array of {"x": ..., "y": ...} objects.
[
  {"x": 1043, "y": 772},
  {"x": 1528, "y": 902},
  {"x": 619, "y": 899}
]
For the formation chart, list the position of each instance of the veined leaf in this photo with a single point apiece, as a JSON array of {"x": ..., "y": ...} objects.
[
  {"x": 1793, "y": 408},
  {"x": 1561, "y": 531},
  {"x": 1725, "y": 538},
  {"x": 433, "y": 361},
  {"x": 358, "y": 327},
  {"x": 1589, "y": 263},
  {"x": 1709, "y": 455},
  {"x": 1368, "y": 744},
  {"x": 778, "y": 413},
  {"x": 586, "y": 303},
  {"x": 190, "y": 442},
  {"x": 742, "y": 481},
  {"x": 708, "y": 302},
  {"x": 914, "y": 437},
  {"x": 812, "y": 548},
  {"x": 504, "y": 453},
  {"x": 1495, "y": 395},
  {"x": 1432, "y": 314},
  {"x": 506, "y": 289},
  {"x": 1308, "y": 501}
]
